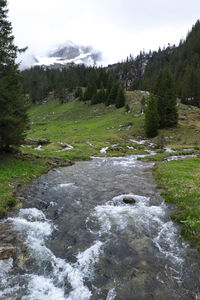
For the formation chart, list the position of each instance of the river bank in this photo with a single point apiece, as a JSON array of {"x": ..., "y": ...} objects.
[{"x": 20, "y": 169}]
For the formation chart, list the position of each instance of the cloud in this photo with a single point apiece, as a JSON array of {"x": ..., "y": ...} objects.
[{"x": 115, "y": 27}]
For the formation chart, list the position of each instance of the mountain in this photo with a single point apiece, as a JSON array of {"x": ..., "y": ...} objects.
[{"x": 69, "y": 54}]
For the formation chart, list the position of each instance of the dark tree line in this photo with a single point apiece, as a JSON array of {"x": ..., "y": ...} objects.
[
  {"x": 13, "y": 118},
  {"x": 88, "y": 83}
]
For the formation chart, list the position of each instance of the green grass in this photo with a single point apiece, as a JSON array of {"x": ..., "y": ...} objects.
[
  {"x": 180, "y": 181},
  {"x": 80, "y": 124},
  {"x": 15, "y": 171}
]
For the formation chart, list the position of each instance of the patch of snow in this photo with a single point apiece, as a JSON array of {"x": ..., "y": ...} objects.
[
  {"x": 103, "y": 150},
  {"x": 169, "y": 150},
  {"x": 68, "y": 147},
  {"x": 142, "y": 142},
  {"x": 39, "y": 148},
  {"x": 47, "y": 61}
]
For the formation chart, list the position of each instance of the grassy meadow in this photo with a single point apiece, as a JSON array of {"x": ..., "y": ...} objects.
[{"x": 86, "y": 128}]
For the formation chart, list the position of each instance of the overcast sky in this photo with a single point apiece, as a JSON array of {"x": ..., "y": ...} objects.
[{"x": 115, "y": 27}]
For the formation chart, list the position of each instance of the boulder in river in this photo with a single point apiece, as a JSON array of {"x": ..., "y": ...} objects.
[
  {"x": 129, "y": 200},
  {"x": 6, "y": 252}
]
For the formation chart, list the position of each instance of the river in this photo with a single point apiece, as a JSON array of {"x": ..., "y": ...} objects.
[{"x": 76, "y": 239}]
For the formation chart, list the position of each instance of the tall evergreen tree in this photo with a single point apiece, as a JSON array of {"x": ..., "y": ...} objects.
[
  {"x": 113, "y": 94},
  {"x": 13, "y": 118},
  {"x": 152, "y": 117},
  {"x": 166, "y": 95},
  {"x": 120, "y": 100}
]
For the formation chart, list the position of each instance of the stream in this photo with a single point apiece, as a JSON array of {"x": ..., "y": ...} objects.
[{"x": 76, "y": 239}]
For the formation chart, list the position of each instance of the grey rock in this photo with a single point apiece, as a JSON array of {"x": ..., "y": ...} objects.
[
  {"x": 129, "y": 200},
  {"x": 6, "y": 252}
]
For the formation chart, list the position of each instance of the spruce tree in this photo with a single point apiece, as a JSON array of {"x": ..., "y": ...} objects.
[
  {"x": 13, "y": 118},
  {"x": 152, "y": 117},
  {"x": 101, "y": 94},
  {"x": 166, "y": 95},
  {"x": 113, "y": 93},
  {"x": 120, "y": 100}
]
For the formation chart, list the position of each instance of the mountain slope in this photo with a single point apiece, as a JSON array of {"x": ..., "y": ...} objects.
[{"x": 183, "y": 61}]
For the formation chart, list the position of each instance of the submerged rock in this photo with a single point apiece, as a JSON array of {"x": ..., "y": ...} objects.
[
  {"x": 6, "y": 252},
  {"x": 129, "y": 200}
]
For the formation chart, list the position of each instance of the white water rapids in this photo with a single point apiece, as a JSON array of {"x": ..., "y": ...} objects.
[{"x": 86, "y": 243}]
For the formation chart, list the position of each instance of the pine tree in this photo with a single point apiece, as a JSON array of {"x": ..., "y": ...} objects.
[
  {"x": 120, "y": 100},
  {"x": 113, "y": 93},
  {"x": 152, "y": 117},
  {"x": 13, "y": 118},
  {"x": 101, "y": 94},
  {"x": 166, "y": 95},
  {"x": 90, "y": 91}
]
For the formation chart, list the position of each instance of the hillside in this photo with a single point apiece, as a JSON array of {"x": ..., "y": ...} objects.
[
  {"x": 183, "y": 61},
  {"x": 89, "y": 128}
]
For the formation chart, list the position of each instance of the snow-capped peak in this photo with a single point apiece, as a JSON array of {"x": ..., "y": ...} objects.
[{"x": 69, "y": 54}]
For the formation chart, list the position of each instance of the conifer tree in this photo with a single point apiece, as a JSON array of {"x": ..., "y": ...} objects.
[
  {"x": 113, "y": 93},
  {"x": 166, "y": 95},
  {"x": 152, "y": 117},
  {"x": 13, "y": 118},
  {"x": 101, "y": 94},
  {"x": 120, "y": 100}
]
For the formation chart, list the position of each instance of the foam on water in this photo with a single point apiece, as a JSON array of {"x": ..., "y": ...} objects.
[
  {"x": 5, "y": 266},
  {"x": 117, "y": 213},
  {"x": 131, "y": 161},
  {"x": 51, "y": 284},
  {"x": 146, "y": 219},
  {"x": 87, "y": 259},
  {"x": 43, "y": 288},
  {"x": 7, "y": 282},
  {"x": 66, "y": 185},
  {"x": 111, "y": 294},
  {"x": 167, "y": 242}
]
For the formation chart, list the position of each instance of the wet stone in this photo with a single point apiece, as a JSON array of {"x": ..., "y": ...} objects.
[
  {"x": 129, "y": 200},
  {"x": 6, "y": 252}
]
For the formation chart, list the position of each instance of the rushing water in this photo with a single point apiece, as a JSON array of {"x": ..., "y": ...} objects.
[{"x": 78, "y": 240}]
